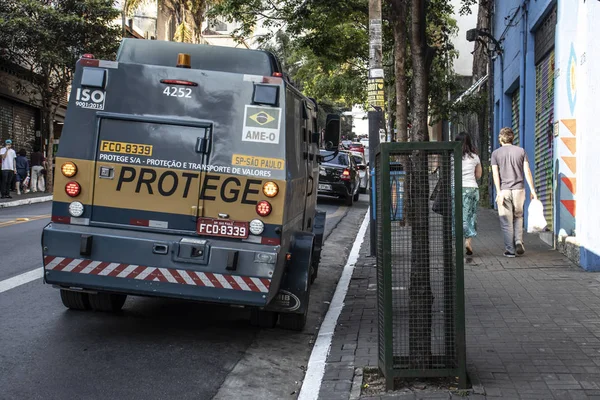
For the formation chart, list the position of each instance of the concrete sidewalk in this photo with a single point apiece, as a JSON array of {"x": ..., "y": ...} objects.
[
  {"x": 24, "y": 199},
  {"x": 533, "y": 326}
]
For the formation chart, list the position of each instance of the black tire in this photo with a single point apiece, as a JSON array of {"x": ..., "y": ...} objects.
[
  {"x": 293, "y": 322},
  {"x": 357, "y": 195},
  {"x": 75, "y": 300},
  {"x": 263, "y": 319},
  {"x": 349, "y": 200},
  {"x": 107, "y": 302},
  {"x": 314, "y": 271}
]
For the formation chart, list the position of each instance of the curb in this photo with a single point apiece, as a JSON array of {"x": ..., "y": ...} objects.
[
  {"x": 22, "y": 202},
  {"x": 356, "y": 390}
]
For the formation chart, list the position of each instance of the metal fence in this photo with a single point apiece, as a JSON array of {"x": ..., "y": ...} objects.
[{"x": 420, "y": 278}]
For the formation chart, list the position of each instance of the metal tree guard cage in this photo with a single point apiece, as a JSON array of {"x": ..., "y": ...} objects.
[{"x": 420, "y": 268}]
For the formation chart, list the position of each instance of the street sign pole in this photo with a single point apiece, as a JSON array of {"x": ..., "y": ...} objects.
[{"x": 376, "y": 100}]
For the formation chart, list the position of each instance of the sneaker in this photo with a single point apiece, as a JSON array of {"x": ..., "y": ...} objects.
[
  {"x": 520, "y": 249},
  {"x": 509, "y": 254}
]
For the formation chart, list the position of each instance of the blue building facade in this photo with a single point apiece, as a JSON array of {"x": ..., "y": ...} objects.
[{"x": 547, "y": 46}]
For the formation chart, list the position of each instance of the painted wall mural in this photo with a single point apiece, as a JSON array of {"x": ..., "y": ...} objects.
[{"x": 565, "y": 100}]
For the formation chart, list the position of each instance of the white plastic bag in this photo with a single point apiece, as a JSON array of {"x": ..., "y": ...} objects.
[{"x": 536, "y": 222}]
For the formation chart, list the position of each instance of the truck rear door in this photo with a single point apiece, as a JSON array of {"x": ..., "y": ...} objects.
[{"x": 149, "y": 171}]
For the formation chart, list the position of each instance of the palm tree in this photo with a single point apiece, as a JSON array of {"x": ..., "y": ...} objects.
[{"x": 180, "y": 10}]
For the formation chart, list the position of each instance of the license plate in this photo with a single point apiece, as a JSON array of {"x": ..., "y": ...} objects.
[
  {"x": 222, "y": 228},
  {"x": 324, "y": 187}
]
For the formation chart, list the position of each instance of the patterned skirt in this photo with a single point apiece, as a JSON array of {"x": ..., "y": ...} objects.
[{"x": 470, "y": 200}]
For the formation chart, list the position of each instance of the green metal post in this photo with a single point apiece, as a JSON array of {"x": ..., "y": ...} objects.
[
  {"x": 459, "y": 317},
  {"x": 385, "y": 220}
]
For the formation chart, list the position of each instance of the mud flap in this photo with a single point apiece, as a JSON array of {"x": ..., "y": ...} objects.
[
  {"x": 293, "y": 295},
  {"x": 319, "y": 231}
]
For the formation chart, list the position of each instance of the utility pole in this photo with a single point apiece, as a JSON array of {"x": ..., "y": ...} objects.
[{"x": 376, "y": 104}]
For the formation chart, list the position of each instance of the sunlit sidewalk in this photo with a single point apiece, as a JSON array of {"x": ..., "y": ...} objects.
[{"x": 533, "y": 325}]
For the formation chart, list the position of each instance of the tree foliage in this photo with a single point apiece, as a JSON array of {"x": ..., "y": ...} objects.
[
  {"x": 183, "y": 11},
  {"x": 43, "y": 39}
]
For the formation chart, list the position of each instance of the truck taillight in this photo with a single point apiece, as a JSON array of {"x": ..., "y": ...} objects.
[
  {"x": 270, "y": 189},
  {"x": 69, "y": 169},
  {"x": 73, "y": 189},
  {"x": 263, "y": 208},
  {"x": 345, "y": 175}
]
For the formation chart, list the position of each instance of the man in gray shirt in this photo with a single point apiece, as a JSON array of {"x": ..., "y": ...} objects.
[{"x": 510, "y": 168}]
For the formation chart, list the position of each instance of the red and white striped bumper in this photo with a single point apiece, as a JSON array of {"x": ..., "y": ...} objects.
[{"x": 154, "y": 274}]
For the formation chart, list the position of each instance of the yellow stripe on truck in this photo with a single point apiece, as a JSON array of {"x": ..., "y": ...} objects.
[{"x": 176, "y": 191}]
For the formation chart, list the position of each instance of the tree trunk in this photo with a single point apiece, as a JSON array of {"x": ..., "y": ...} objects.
[
  {"x": 480, "y": 67},
  {"x": 420, "y": 294},
  {"x": 49, "y": 114},
  {"x": 399, "y": 9}
]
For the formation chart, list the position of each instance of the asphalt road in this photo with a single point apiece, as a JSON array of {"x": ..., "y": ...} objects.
[{"x": 155, "y": 348}]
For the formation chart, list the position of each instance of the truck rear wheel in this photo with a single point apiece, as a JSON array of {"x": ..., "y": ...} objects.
[
  {"x": 293, "y": 322},
  {"x": 263, "y": 319},
  {"x": 107, "y": 301},
  {"x": 75, "y": 300}
]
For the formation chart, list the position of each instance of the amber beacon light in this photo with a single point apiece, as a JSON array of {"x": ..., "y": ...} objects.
[
  {"x": 69, "y": 169},
  {"x": 270, "y": 189},
  {"x": 184, "y": 60}
]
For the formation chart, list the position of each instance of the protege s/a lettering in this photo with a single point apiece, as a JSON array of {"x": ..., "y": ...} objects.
[{"x": 227, "y": 189}]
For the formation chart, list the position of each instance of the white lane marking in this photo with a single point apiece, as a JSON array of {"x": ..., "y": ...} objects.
[
  {"x": 318, "y": 358},
  {"x": 22, "y": 279}
]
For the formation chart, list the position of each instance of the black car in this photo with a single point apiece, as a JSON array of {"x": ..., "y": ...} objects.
[{"x": 338, "y": 176}]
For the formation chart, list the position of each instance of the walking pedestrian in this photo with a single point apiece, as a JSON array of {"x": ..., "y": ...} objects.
[
  {"x": 471, "y": 172},
  {"x": 37, "y": 166},
  {"x": 8, "y": 156},
  {"x": 510, "y": 168},
  {"x": 22, "y": 170}
]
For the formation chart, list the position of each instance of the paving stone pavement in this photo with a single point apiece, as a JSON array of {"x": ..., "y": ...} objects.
[{"x": 533, "y": 325}]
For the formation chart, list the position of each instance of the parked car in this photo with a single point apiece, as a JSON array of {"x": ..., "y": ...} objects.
[
  {"x": 346, "y": 144},
  {"x": 338, "y": 176},
  {"x": 365, "y": 142},
  {"x": 363, "y": 171},
  {"x": 357, "y": 147}
]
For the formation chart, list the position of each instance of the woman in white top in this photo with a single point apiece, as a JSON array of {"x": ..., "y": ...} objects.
[{"x": 471, "y": 171}]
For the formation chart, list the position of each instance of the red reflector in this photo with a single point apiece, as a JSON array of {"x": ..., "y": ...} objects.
[
  {"x": 89, "y": 63},
  {"x": 277, "y": 74},
  {"x": 178, "y": 82},
  {"x": 263, "y": 208},
  {"x": 73, "y": 189},
  {"x": 139, "y": 222},
  {"x": 61, "y": 220},
  {"x": 271, "y": 241},
  {"x": 88, "y": 56}
]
